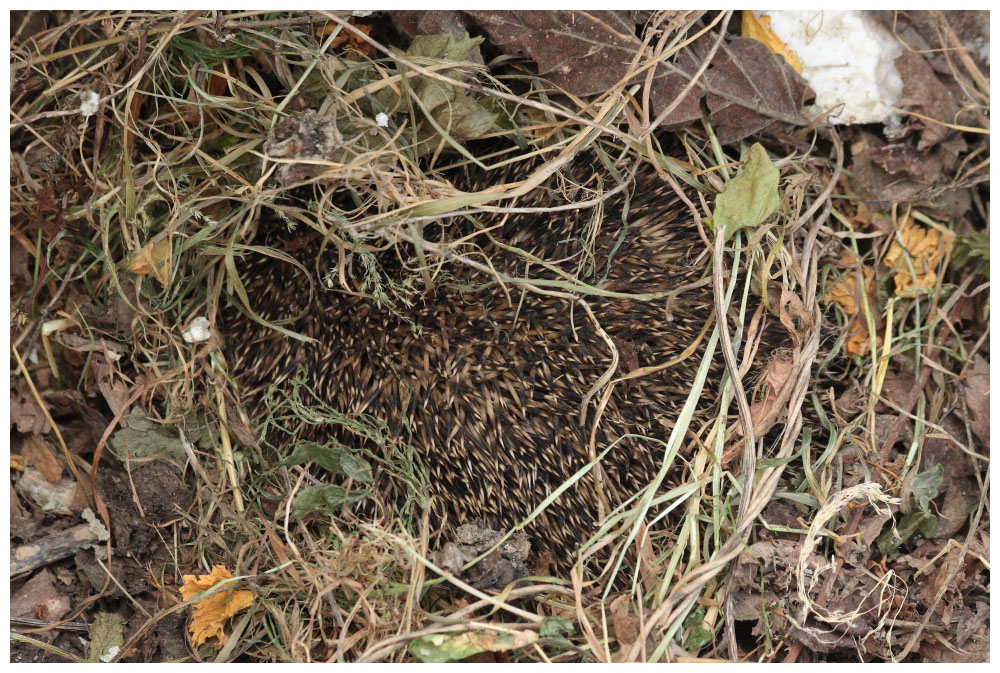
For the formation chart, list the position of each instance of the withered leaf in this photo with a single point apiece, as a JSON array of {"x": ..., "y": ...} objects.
[{"x": 748, "y": 87}]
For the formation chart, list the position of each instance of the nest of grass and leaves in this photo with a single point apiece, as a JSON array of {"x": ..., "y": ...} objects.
[{"x": 144, "y": 206}]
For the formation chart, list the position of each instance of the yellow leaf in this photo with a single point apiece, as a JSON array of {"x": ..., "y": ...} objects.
[
  {"x": 759, "y": 28},
  {"x": 155, "y": 257},
  {"x": 212, "y": 612},
  {"x": 925, "y": 249}
]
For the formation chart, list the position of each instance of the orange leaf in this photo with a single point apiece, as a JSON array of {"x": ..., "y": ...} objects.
[
  {"x": 212, "y": 612},
  {"x": 925, "y": 249},
  {"x": 845, "y": 293},
  {"x": 759, "y": 28},
  {"x": 155, "y": 257},
  {"x": 857, "y": 340}
]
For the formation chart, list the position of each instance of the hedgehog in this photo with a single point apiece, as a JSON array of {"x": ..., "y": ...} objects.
[{"x": 491, "y": 382}]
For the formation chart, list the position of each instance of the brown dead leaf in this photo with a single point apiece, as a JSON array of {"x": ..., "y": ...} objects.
[
  {"x": 156, "y": 258},
  {"x": 747, "y": 88},
  {"x": 924, "y": 248},
  {"x": 924, "y": 93},
  {"x": 624, "y": 621},
  {"x": 37, "y": 453},
  {"x": 897, "y": 386},
  {"x": 977, "y": 399},
  {"x": 778, "y": 374},
  {"x": 211, "y": 613},
  {"x": 115, "y": 391},
  {"x": 790, "y": 307},
  {"x": 870, "y": 180},
  {"x": 28, "y": 417},
  {"x": 347, "y": 39},
  {"x": 115, "y": 316},
  {"x": 39, "y": 599},
  {"x": 759, "y": 28}
]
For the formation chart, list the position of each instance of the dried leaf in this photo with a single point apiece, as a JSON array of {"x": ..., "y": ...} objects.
[
  {"x": 348, "y": 39},
  {"x": 759, "y": 28},
  {"x": 977, "y": 399},
  {"x": 212, "y": 612},
  {"x": 778, "y": 374},
  {"x": 624, "y": 621},
  {"x": 39, "y": 599},
  {"x": 154, "y": 257},
  {"x": 114, "y": 390},
  {"x": 107, "y": 637},
  {"x": 790, "y": 308},
  {"x": 925, "y": 249},
  {"x": 38, "y": 453},
  {"x": 842, "y": 293},
  {"x": 746, "y": 87},
  {"x": 28, "y": 417}
]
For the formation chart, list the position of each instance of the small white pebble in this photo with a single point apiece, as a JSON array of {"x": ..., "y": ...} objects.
[
  {"x": 88, "y": 103},
  {"x": 382, "y": 119},
  {"x": 198, "y": 331},
  {"x": 112, "y": 651}
]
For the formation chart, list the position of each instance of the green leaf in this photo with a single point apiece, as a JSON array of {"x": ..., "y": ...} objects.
[
  {"x": 555, "y": 627},
  {"x": 697, "y": 638},
  {"x": 973, "y": 249},
  {"x": 894, "y": 536},
  {"x": 464, "y": 118},
  {"x": 928, "y": 525},
  {"x": 751, "y": 197},
  {"x": 925, "y": 486},
  {"x": 325, "y": 499},
  {"x": 356, "y": 468},
  {"x": 143, "y": 438},
  {"x": 430, "y": 46},
  {"x": 327, "y": 457},
  {"x": 333, "y": 458},
  {"x": 443, "y": 46},
  {"x": 441, "y": 647},
  {"x": 208, "y": 56},
  {"x": 434, "y": 94}
]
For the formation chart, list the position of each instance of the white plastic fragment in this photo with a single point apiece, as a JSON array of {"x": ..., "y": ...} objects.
[
  {"x": 96, "y": 525},
  {"x": 198, "y": 331},
  {"x": 112, "y": 651},
  {"x": 382, "y": 119},
  {"x": 88, "y": 103},
  {"x": 847, "y": 58}
]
